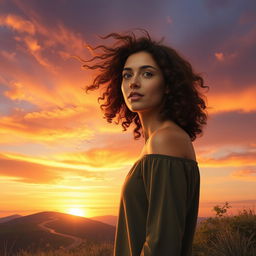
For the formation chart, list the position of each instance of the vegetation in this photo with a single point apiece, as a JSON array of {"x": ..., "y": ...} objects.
[
  {"x": 88, "y": 249},
  {"x": 226, "y": 235},
  {"x": 222, "y": 235},
  {"x": 220, "y": 211}
]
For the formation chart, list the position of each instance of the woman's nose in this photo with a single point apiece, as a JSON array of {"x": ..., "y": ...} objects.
[{"x": 134, "y": 83}]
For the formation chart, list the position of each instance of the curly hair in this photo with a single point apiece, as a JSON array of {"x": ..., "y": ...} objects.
[{"x": 184, "y": 105}]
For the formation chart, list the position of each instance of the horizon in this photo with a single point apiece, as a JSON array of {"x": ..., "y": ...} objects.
[
  {"x": 14, "y": 214},
  {"x": 229, "y": 212},
  {"x": 73, "y": 215}
]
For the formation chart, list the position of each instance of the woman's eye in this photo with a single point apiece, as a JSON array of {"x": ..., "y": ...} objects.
[
  {"x": 148, "y": 74},
  {"x": 126, "y": 75},
  {"x": 145, "y": 74}
]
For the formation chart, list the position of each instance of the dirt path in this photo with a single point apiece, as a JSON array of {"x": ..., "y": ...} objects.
[{"x": 76, "y": 240}]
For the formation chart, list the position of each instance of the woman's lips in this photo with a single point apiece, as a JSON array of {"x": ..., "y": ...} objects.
[{"x": 136, "y": 97}]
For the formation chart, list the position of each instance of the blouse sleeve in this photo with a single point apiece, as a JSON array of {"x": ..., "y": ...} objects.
[{"x": 166, "y": 187}]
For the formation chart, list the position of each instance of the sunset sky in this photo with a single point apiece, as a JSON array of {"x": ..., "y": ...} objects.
[{"x": 57, "y": 153}]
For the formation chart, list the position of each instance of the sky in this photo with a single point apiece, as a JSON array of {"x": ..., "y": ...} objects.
[{"x": 58, "y": 153}]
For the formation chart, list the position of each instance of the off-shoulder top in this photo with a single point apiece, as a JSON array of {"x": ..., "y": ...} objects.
[{"x": 158, "y": 207}]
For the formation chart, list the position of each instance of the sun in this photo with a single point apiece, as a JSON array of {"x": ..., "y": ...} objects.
[{"x": 76, "y": 211}]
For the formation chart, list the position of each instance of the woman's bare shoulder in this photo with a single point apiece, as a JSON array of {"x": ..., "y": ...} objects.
[{"x": 173, "y": 142}]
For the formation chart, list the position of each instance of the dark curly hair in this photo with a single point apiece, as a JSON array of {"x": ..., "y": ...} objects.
[{"x": 185, "y": 105}]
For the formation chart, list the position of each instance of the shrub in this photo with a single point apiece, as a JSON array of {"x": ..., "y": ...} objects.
[{"x": 226, "y": 235}]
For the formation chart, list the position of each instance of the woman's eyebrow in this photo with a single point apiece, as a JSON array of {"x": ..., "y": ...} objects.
[{"x": 142, "y": 67}]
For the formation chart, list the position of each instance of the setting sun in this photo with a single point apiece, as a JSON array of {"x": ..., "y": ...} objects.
[{"x": 77, "y": 212}]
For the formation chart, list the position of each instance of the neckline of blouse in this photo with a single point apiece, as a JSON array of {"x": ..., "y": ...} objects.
[{"x": 167, "y": 156}]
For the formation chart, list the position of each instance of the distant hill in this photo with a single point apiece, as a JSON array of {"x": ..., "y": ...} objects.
[
  {"x": 11, "y": 217},
  {"x": 27, "y": 233},
  {"x": 112, "y": 220},
  {"x": 108, "y": 219}
]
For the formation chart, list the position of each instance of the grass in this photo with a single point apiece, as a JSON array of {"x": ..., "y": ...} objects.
[
  {"x": 91, "y": 249},
  {"x": 227, "y": 236}
]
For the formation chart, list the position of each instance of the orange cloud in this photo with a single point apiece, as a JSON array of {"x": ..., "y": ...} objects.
[
  {"x": 233, "y": 100},
  {"x": 26, "y": 172},
  {"x": 234, "y": 159},
  {"x": 18, "y": 23},
  {"x": 53, "y": 36},
  {"x": 36, "y": 50},
  {"x": 17, "y": 92},
  {"x": 59, "y": 113},
  {"x": 219, "y": 56},
  {"x": 37, "y": 170},
  {"x": 32, "y": 44},
  {"x": 77, "y": 166},
  {"x": 58, "y": 125}
]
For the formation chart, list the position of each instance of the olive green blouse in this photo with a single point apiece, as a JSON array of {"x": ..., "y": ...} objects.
[{"x": 158, "y": 207}]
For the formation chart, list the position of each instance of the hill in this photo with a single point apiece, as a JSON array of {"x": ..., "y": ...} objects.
[
  {"x": 52, "y": 230},
  {"x": 112, "y": 220},
  {"x": 108, "y": 219},
  {"x": 11, "y": 217}
]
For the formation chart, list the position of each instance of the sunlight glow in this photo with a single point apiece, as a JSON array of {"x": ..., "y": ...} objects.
[{"x": 77, "y": 212}]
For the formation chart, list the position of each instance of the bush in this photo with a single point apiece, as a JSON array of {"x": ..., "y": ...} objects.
[{"x": 226, "y": 235}]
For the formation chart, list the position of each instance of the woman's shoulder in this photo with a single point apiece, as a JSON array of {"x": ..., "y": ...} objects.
[{"x": 172, "y": 142}]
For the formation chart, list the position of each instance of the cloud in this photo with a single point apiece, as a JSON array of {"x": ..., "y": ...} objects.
[
  {"x": 232, "y": 101},
  {"x": 27, "y": 172},
  {"x": 89, "y": 164},
  {"x": 37, "y": 170},
  {"x": 58, "y": 125},
  {"x": 228, "y": 157},
  {"x": 37, "y": 36},
  {"x": 231, "y": 128},
  {"x": 58, "y": 112},
  {"x": 17, "y": 92},
  {"x": 17, "y": 23},
  {"x": 10, "y": 56},
  {"x": 36, "y": 67},
  {"x": 219, "y": 56}
]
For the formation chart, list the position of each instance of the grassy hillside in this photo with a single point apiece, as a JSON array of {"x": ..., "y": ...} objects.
[
  {"x": 85, "y": 228},
  {"x": 89, "y": 249},
  {"x": 25, "y": 233},
  {"x": 226, "y": 235}
]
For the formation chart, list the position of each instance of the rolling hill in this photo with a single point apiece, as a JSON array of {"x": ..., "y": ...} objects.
[
  {"x": 8, "y": 218},
  {"x": 52, "y": 230},
  {"x": 108, "y": 219}
]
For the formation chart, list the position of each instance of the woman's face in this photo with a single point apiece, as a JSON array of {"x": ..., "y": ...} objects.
[{"x": 142, "y": 75}]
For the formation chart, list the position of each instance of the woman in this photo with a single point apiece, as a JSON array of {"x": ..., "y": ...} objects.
[{"x": 150, "y": 85}]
